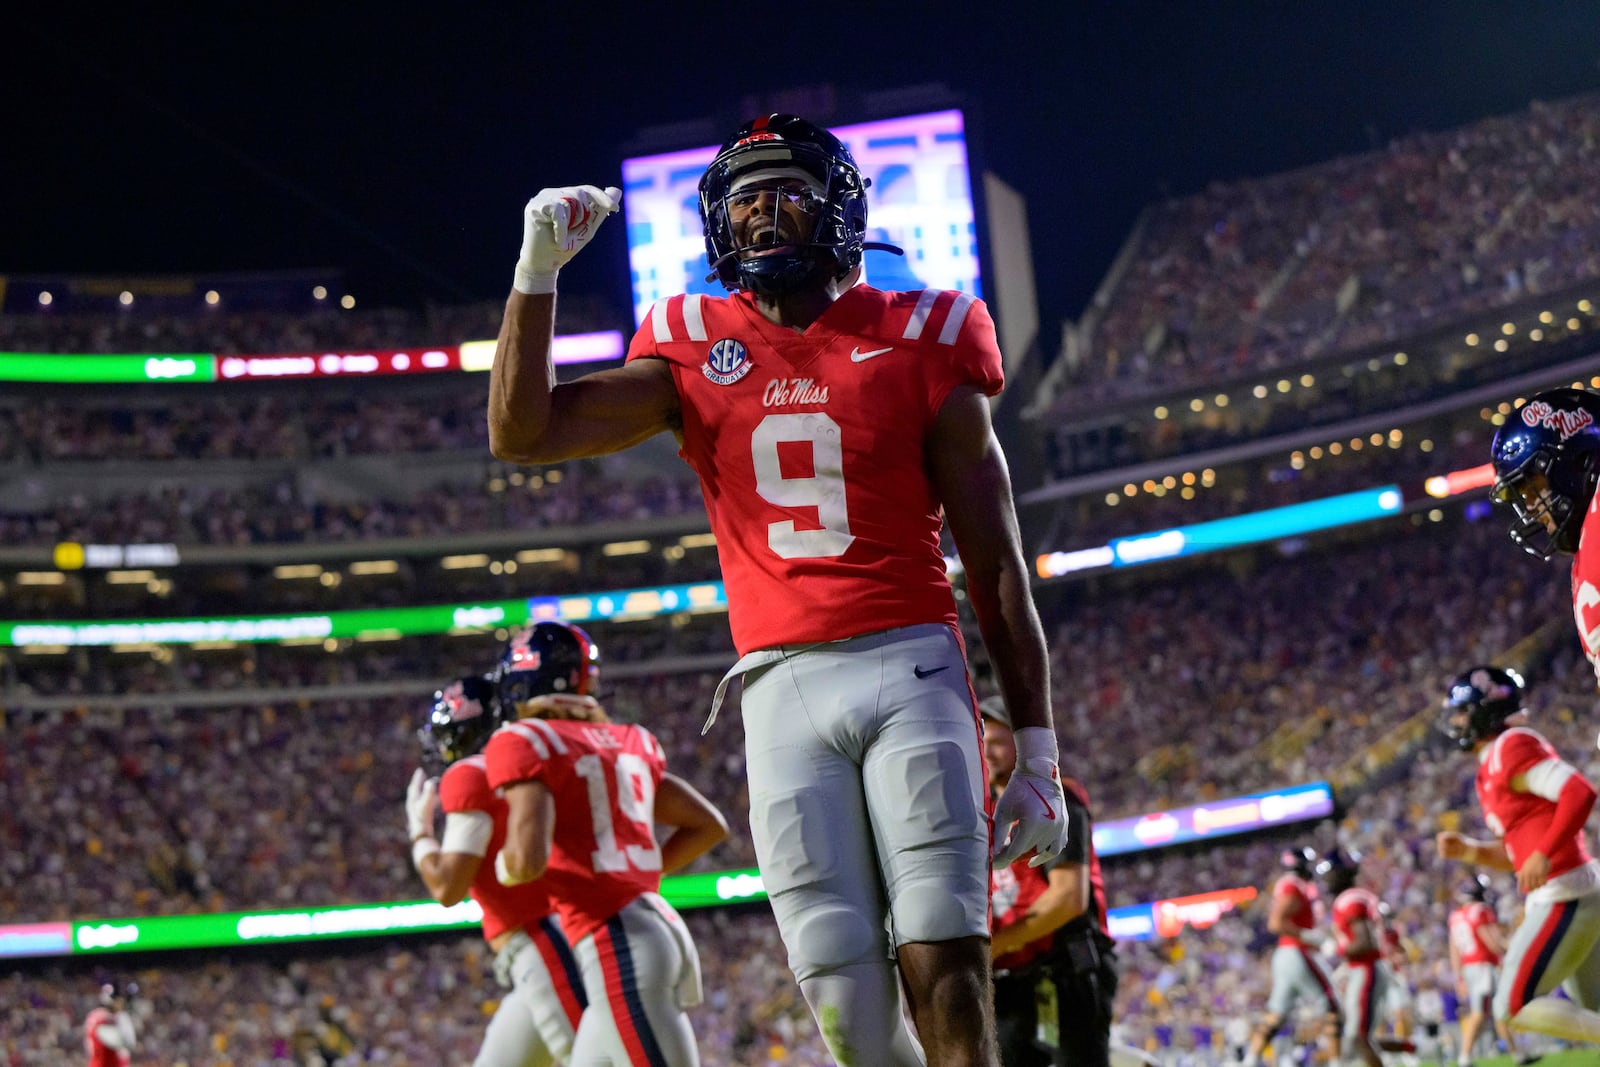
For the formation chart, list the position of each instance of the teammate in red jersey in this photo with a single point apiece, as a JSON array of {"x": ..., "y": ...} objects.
[
  {"x": 1477, "y": 943},
  {"x": 1546, "y": 462},
  {"x": 109, "y": 1037},
  {"x": 1049, "y": 935},
  {"x": 1357, "y": 918},
  {"x": 1536, "y": 804},
  {"x": 1297, "y": 973},
  {"x": 832, "y": 426},
  {"x": 584, "y": 795},
  {"x": 536, "y": 1019}
]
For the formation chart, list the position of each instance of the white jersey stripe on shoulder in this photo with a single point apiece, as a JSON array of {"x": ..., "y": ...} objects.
[
  {"x": 549, "y": 734},
  {"x": 531, "y": 736},
  {"x": 658, "y": 323},
  {"x": 919, "y": 314},
  {"x": 958, "y": 315},
  {"x": 693, "y": 319}
]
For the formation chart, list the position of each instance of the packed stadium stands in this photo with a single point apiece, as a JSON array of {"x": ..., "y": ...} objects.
[{"x": 176, "y": 780}]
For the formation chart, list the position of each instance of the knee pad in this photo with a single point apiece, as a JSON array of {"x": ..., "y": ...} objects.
[{"x": 830, "y": 936}]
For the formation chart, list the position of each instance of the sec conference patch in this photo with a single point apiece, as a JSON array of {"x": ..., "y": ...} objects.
[{"x": 726, "y": 362}]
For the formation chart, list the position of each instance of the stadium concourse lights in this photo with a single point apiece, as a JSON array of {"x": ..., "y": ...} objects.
[{"x": 293, "y": 571}]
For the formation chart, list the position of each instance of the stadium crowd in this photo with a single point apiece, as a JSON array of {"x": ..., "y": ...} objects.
[
  {"x": 1272, "y": 272},
  {"x": 1286, "y": 695}
]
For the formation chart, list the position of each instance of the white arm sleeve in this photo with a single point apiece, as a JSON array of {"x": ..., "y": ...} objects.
[
  {"x": 467, "y": 831},
  {"x": 1546, "y": 778}
]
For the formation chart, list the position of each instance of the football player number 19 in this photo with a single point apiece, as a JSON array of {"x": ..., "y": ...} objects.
[
  {"x": 635, "y": 802},
  {"x": 822, "y": 489}
]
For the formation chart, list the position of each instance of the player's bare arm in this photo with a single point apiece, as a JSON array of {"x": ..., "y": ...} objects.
[
  {"x": 534, "y": 420},
  {"x": 531, "y": 420},
  {"x": 970, "y": 476},
  {"x": 530, "y": 833},
  {"x": 1457, "y": 846},
  {"x": 697, "y": 824},
  {"x": 448, "y": 875}
]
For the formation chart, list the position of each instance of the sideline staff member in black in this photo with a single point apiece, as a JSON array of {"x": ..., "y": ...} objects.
[{"x": 1055, "y": 968}]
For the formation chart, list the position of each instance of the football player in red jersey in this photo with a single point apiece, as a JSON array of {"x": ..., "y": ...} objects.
[
  {"x": 1357, "y": 917},
  {"x": 536, "y": 1019},
  {"x": 1477, "y": 943},
  {"x": 109, "y": 1037},
  {"x": 1049, "y": 935},
  {"x": 1536, "y": 805},
  {"x": 1546, "y": 462},
  {"x": 1297, "y": 973},
  {"x": 833, "y": 427},
  {"x": 585, "y": 795}
]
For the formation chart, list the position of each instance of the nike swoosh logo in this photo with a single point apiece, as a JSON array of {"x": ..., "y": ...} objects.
[
  {"x": 1049, "y": 812},
  {"x": 920, "y": 673},
  {"x": 858, "y": 356}
]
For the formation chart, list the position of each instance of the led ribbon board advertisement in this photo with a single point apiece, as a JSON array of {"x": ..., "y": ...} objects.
[
  {"x": 1167, "y": 918},
  {"x": 1220, "y": 818},
  {"x": 1253, "y": 528},
  {"x": 920, "y": 199},
  {"x": 379, "y": 624},
  {"x": 213, "y": 367},
  {"x": 1136, "y": 922},
  {"x": 683, "y": 891}
]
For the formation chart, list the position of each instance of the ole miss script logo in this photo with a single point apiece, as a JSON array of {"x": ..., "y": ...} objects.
[
  {"x": 726, "y": 362},
  {"x": 1562, "y": 421}
]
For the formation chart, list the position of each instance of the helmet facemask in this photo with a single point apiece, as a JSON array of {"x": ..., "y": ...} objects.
[
  {"x": 830, "y": 193},
  {"x": 1548, "y": 521}
]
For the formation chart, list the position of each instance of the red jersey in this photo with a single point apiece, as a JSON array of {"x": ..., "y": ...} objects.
[
  {"x": 101, "y": 1055},
  {"x": 1466, "y": 926},
  {"x": 1011, "y": 890},
  {"x": 602, "y": 778},
  {"x": 1522, "y": 819},
  {"x": 1586, "y": 585},
  {"x": 1349, "y": 907},
  {"x": 1303, "y": 914},
  {"x": 465, "y": 787},
  {"x": 811, "y": 452}
]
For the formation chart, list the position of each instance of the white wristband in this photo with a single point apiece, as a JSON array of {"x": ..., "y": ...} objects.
[
  {"x": 1036, "y": 742},
  {"x": 533, "y": 283},
  {"x": 422, "y": 848}
]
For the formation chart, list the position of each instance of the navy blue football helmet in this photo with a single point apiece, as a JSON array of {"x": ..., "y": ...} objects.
[
  {"x": 1474, "y": 890},
  {"x": 1489, "y": 696},
  {"x": 785, "y": 155},
  {"x": 461, "y": 719},
  {"x": 1546, "y": 462},
  {"x": 546, "y": 658},
  {"x": 1338, "y": 868}
]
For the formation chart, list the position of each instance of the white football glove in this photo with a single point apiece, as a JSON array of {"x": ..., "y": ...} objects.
[
  {"x": 422, "y": 796},
  {"x": 1032, "y": 811},
  {"x": 555, "y": 225}
]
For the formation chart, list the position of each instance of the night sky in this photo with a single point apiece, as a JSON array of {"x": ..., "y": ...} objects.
[{"x": 401, "y": 148}]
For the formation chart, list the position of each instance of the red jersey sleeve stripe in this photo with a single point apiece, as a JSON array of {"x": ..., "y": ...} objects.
[
  {"x": 693, "y": 317},
  {"x": 955, "y": 317},
  {"x": 658, "y": 322},
  {"x": 920, "y": 313},
  {"x": 528, "y": 734},
  {"x": 556, "y": 744}
]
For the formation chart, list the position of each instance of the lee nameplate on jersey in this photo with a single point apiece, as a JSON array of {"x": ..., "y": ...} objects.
[{"x": 726, "y": 362}]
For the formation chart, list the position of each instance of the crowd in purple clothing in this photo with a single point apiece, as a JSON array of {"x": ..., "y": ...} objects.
[
  {"x": 419, "y": 1003},
  {"x": 1272, "y": 272}
]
